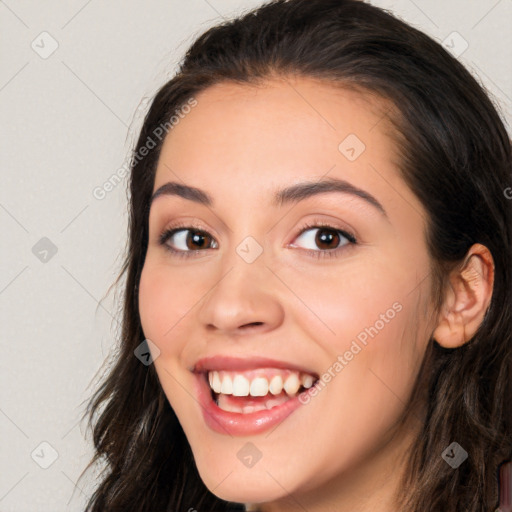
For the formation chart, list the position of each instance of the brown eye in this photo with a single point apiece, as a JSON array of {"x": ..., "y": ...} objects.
[
  {"x": 324, "y": 238},
  {"x": 197, "y": 240},
  {"x": 187, "y": 239}
]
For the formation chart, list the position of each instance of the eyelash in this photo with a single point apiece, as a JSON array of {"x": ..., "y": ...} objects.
[{"x": 328, "y": 253}]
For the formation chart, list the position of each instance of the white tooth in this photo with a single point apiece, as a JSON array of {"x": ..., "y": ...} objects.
[
  {"x": 240, "y": 386},
  {"x": 216, "y": 384},
  {"x": 227, "y": 385},
  {"x": 307, "y": 381},
  {"x": 210, "y": 379},
  {"x": 276, "y": 385},
  {"x": 225, "y": 406},
  {"x": 259, "y": 386},
  {"x": 292, "y": 384},
  {"x": 231, "y": 408},
  {"x": 259, "y": 407},
  {"x": 273, "y": 402}
]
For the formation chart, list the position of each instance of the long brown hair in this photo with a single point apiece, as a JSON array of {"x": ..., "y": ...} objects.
[{"x": 455, "y": 155}]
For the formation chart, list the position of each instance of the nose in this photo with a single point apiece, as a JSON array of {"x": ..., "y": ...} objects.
[{"x": 244, "y": 298}]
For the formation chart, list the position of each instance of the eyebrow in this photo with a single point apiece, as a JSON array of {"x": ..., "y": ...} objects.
[{"x": 291, "y": 194}]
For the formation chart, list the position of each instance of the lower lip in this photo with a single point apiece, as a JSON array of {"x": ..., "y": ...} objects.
[{"x": 237, "y": 424}]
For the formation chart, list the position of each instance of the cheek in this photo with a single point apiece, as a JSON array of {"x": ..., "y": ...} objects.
[
  {"x": 364, "y": 300},
  {"x": 165, "y": 299},
  {"x": 371, "y": 325},
  {"x": 382, "y": 341},
  {"x": 154, "y": 299}
]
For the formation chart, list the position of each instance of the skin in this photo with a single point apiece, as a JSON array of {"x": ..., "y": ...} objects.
[{"x": 343, "y": 450}]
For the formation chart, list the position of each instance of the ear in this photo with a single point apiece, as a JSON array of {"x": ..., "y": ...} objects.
[{"x": 467, "y": 298}]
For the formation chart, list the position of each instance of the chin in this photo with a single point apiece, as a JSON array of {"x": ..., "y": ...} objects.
[{"x": 246, "y": 489}]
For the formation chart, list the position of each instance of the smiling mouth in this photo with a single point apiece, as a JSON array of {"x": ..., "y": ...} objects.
[{"x": 247, "y": 392}]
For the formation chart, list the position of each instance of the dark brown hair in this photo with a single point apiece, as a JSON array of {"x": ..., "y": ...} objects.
[{"x": 455, "y": 155}]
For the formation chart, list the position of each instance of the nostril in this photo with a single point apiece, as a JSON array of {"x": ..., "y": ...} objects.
[{"x": 252, "y": 324}]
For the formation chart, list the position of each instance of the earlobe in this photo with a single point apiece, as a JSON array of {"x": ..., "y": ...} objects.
[{"x": 467, "y": 298}]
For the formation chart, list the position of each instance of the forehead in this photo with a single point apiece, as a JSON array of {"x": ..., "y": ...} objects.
[{"x": 291, "y": 125}]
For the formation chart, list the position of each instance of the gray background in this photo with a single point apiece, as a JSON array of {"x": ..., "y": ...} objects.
[{"x": 69, "y": 120}]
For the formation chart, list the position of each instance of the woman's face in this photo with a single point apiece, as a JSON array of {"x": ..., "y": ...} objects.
[{"x": 278, "y": 280}]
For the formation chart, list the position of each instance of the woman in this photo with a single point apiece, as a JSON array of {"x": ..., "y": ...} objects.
[{"x": 317, "y": 307}]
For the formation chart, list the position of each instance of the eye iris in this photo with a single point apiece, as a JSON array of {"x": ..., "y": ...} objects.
[
  {"x": 196, "y": 237},
  {"x": 326, "y": 236}
]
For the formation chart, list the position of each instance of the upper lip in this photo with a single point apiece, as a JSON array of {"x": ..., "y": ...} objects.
[{"x": 230, "y": 363}]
